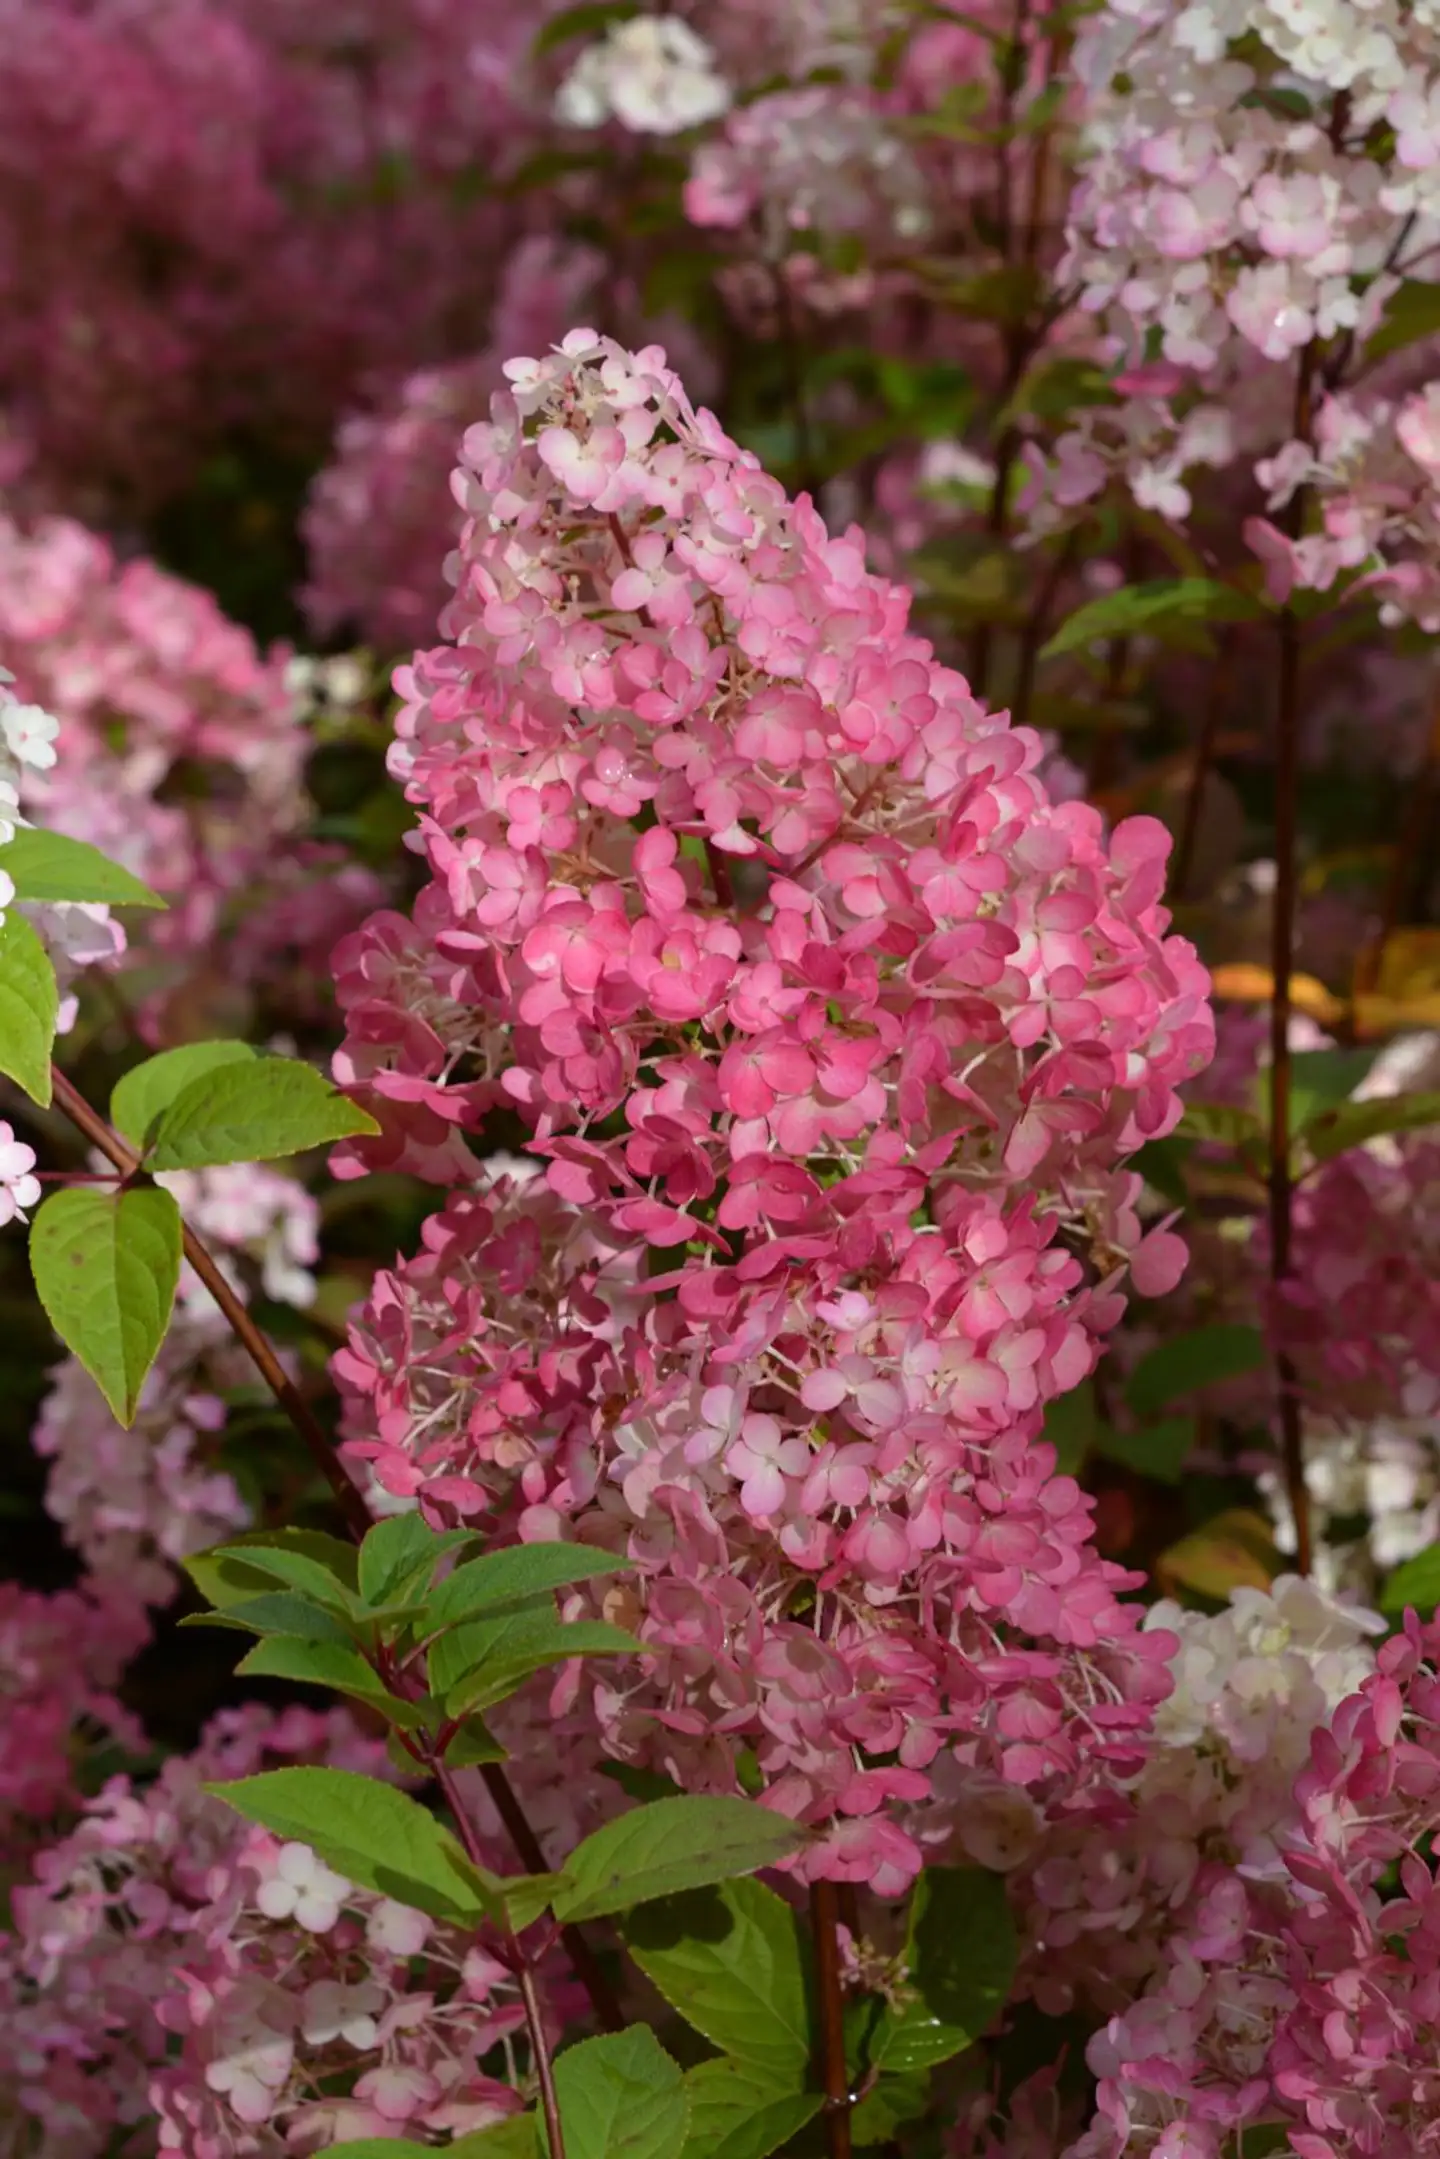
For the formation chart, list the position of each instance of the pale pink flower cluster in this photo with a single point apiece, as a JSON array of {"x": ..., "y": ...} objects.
[
  {"x": 145, "y": 675},
  {"x": 60, "y": 1656},
  {"x": 1302, "y": 1995},
  {"x": 1231, "y": 186},
  {"x": 770, "y": 932},
  {"x": 135, "y": 1503}
]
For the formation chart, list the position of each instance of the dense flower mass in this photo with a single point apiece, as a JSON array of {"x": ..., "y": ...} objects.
[{"x": 806, "y": 990}]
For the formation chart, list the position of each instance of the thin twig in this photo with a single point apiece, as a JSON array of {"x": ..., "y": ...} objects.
[
  {"x": 1282, "y": 955},
  {"x": 834, "y": 2074},
  {"x": 1200, "y": 774},
  {"x": 534, "y": 2016},
  {"x": 348, "y": 1498}
]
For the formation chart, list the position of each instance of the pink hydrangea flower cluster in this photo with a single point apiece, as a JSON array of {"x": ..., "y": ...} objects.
[
  {"x": 245, "y": 220},
  {"x": 144, "y": 674},
  {"x": 1304, "y": 1996},
  {"x": 60, "y": 1656},
  {"x": 133, "y": 1503},
  {"x": 817, "y": 1006}
]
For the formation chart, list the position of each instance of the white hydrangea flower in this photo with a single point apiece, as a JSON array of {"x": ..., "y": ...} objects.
[
  {"x": 298, "y": 1885},
  {"x": 29, "y": 733},
  {"x": 652, "y": 74}
]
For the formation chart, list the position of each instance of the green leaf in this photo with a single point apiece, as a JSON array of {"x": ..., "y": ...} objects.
[
  {"x": 512, "y": 2139},
  {"x": 733, "y": 1960},
  {"x": 1150, "y": 609},
  {"x": 520, "y": 1575},
  {"x": 589, "y": 21},
  {"x": 329, "y": 1664},
  {"x": 1234, "y": 1550},
  {"x": 890, "y": 2103},
  {"x": 1335, "y": 1131},
  {"x": 670, "y": 1845},
  {"x": 621, "y": 2097},
  {"x": 105, "y": 1267},
  {"x": 252, "y": 1113},
  {"x": 1224, "y": 1124},
  {"x": 736, "y": 2113},
  {"x": 473, "y": 1745},
  {"x": 1415, "y": 1581},
  {"x": 399, "y": 1555},
  {"x": 1158, "y": 1450},
  {"x": 1319, "y": 1079},
  {"x": 151, "y": 1087},
  {"x": 960, "y": 1951},
  {"x": 278, "y": 1612},
  {"x": 1071, "y": 1427},
  {"x": 47, "y": 866},
  {"x": 299, "y": 1570},
  {"x": 1190, "y": 1361},
  {"x": 504, "y": 1652},
  {"x": 224, "y": 1576},
  {"x": 29, "y": 1003},
  {"x": 1161, "y": 1162},
  {"x": 1411, "y": 313},
  {"x": 370, "y": 1833}
]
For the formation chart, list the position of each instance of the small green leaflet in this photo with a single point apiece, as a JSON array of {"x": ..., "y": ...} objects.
[
  {"x": 590, "y": 20},
  {"x": 47, "y": 866},
  {"x": 513, "y": 2139},
  {"x": 1071, "y": 1427},
  {"x": 329, "y": 1664},
  {"x": 252, "y": 1112},
  {"x": 399, "y": 1555},
  {"x": 506, "y": 1651},
  {"x": 29, "y": 1003},
  {"x": 106, "y": 1265},
  {"x": 1335, "y": 1131},
  {"x": 1414, "y": 1582},
  {"x": 139, "y": 1098},
  {"x": 621, "y": 2097},
  {"x": 370, "y": 1833},
  {"x": 1411, "y": 313},
  {"x": 1149, "y": 610},
  {"x": 670, "y": 1845},
  {"x": 734, "y": 1960},
  {"x": 224, "y": 1575},
  {"x": 1159, "y": 1450}
]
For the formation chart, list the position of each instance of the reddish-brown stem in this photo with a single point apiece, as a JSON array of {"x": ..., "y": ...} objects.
[
  {"x": 833, "y": 2072},
  {"x": 347, "y": 1497},
  {"x": 1200, "y": 773},
  {"x": 1282, "y": 954},
  {"x": 719, "y": 875},
  {"x": 534, "y": 2017}
]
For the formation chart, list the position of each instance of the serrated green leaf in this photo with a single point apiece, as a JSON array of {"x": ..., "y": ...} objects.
[
  {"x": 960, "y": 1951},
  {"x": 526, "y": 1896},
  {"x": 523, "y": 1643},
  {"x": 29, "y": 1005},
  {"x": 106, "y": 1265},
  {"x": 1319, "y": 1079},
  {"x": 372, "y": 1834},
  {"x": 736, "y": 2113},
  {"x": 224, "y": 1577},
  {"x": 1335, "y": 1131},
  {"x": 734, "y": 1960},
  {"x": 1188, "y": 1362},
  {"x": 48, "y": 866},
  {"x": 281, "y": 1611},
  {"x": 520, "y": 1575},
  {"x": 1414, "y": 1582},
  {"x": 299, "y": 1570},
  {"x": 671, "y": 1845},
  {"x": 621, "y": 2097},
  {"x": 399, "y": 1555},
  {"x": 139, "y": 1098},
  {"x": 1149, "y": 609},
  {"x": 887, "y": 2106},
  {"x": 254, "y": 1112},
  {"x": 512, "y": 2139},
  {"x": 329, "y": 1664}
]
